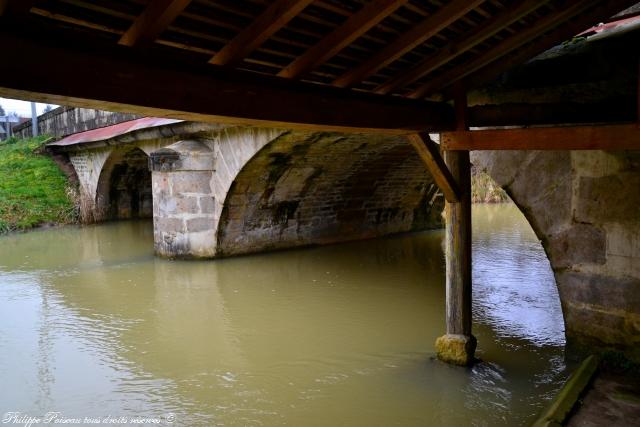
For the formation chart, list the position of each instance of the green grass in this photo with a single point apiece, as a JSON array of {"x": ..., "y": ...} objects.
[{"x": 33, "y": 190}]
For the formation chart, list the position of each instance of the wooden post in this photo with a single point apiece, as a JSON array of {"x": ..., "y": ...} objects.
[
  {"x": 458, "y": 345},
  {"x": 458, "y": 246}
]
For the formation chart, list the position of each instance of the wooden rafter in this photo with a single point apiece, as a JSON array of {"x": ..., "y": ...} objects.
[
  {"x": 160, "y": 84},
  {"x": 638, "y": 93},
  {"x": 15, "y": 7},
  {"x": 406, "y": 42},
  {"x": 155, "y": 18},
  {"x": 614, "y": 137},
  {"x": 276, "y": 16},
  {"x": 429, "y": 153},
  {"x": 551, "y": 39},
  {"x": 341, "y": 37},
  {"x": 510, "y": 44},
  {"x": 456, "y": 48}
]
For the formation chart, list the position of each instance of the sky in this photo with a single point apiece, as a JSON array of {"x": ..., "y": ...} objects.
[{"x": 22, "y": 108}]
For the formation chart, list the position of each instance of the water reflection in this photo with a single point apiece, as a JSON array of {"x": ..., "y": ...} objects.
[{"x": 92, "y": 324}]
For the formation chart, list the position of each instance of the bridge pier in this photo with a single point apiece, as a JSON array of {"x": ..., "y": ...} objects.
[{"x": 184, "y": 224}]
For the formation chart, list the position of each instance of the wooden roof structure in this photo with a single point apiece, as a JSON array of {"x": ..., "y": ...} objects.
[{"x": 337, "y": 64}]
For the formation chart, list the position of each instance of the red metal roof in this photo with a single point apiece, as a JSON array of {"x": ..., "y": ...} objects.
[
  {"x": 611, "y": 25},
  {"x": 112, "y": 131}
]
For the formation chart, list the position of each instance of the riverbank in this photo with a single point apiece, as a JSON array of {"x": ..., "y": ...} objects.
[
  {"x": 33, "y": 190},
  {"x": 485, "y": 190}
]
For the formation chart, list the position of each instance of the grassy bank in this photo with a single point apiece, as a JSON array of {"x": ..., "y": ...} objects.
[
  {"x": 33, "y": 190},
  {"x": 485, "y": 190}
]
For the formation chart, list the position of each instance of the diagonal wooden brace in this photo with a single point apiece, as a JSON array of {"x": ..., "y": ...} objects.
[{"x": 430, "y": 154}]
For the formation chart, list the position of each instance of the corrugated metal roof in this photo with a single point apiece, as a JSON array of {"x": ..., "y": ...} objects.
[{"x": 102, "y": 134}]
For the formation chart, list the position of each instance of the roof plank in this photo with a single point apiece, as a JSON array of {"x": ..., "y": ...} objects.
[
  {"x": 156, "y": 17},
  {"x": 563, "y": 32},
  {"x": 456, "y": 48},
  {"x": 341, "y": 37},
  {"x": 406, "y": 42},
  {"x": 15, "y": 7},
  {"x": 276, "y": 16},
  {"x": 506, "y": 46}
]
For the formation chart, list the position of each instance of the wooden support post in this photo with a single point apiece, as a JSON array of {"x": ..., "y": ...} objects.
[{"x": 458, "y": 345}]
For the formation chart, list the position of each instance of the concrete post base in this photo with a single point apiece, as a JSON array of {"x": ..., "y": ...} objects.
[{"x": 456, "y": 349}]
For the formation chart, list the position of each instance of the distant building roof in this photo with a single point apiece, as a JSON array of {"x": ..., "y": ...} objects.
[{"x": 104, "y": 133}]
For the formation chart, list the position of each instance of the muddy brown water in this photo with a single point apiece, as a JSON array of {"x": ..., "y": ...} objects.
[{"x": 93, "y": 325}]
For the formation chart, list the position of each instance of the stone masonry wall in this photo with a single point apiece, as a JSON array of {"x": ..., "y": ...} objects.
[
  {"x": 585, "y": 208},
  {"x": 318, "y": 188}
]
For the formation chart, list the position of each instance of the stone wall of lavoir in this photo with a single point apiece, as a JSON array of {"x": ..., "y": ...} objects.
[{"x": 585, "y": 208}]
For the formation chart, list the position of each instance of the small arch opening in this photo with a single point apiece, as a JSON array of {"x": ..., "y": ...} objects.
[{"x": 124, "y": 188}]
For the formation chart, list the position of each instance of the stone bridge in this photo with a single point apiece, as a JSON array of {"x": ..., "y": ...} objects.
[{"x": 220, "y": 190}]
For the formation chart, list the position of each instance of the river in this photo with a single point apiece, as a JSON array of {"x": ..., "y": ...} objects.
[{"x": 93, "y": 325}]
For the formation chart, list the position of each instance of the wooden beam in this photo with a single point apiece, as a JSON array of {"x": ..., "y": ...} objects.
[
  {"x": 341, "y": 37},
  {"x": 429, "y": 153},
  {"x": 564, "y": 32},
  {"x": 406, "y": 42},
  {"x": 612, "y": 137},
  {"x": 276, "y": 16},
  {"x": 169, "y": 85},
  {"x": 458, "y": 47},
  {"x": 620, "y": 109},
  {"x": 508, "y": 45},
  {"x": 460, "y": 106},
  {"x": 155, "y": 18}
]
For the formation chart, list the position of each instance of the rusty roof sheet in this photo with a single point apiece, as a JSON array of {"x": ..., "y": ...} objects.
[{"x": 108, "y": 132}]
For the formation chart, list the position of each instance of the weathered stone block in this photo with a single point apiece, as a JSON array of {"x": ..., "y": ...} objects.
[
  {"x": 616, "y": 294},
  {"x": 608, "y": 199},
  {"x": 599, "y": 327},
  {"x": 168, "y": 225},
  {"x": 579, "y": 244},
  {"x": 207, "y": 205},
  {"x": 186, "y": 204},
  {"x": 543, "y": 174},
  {"x": 456, "y": 349},
  {"x": 200, "y": 224},
  {"x": 503, "y": 166},
  {"x": 190, "y": 182},
  {"x": 187, "y": 155}
]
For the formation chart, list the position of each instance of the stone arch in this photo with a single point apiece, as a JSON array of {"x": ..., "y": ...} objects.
[
  {"x": 124, "y": 186},
  {"x": 584, "y": 206},
  {"x": 316, "y": 188}
]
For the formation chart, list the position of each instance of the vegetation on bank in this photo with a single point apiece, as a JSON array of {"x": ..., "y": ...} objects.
[
  {"x": 485, "y": 190},
  {"x": 33, "y": 190}
]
